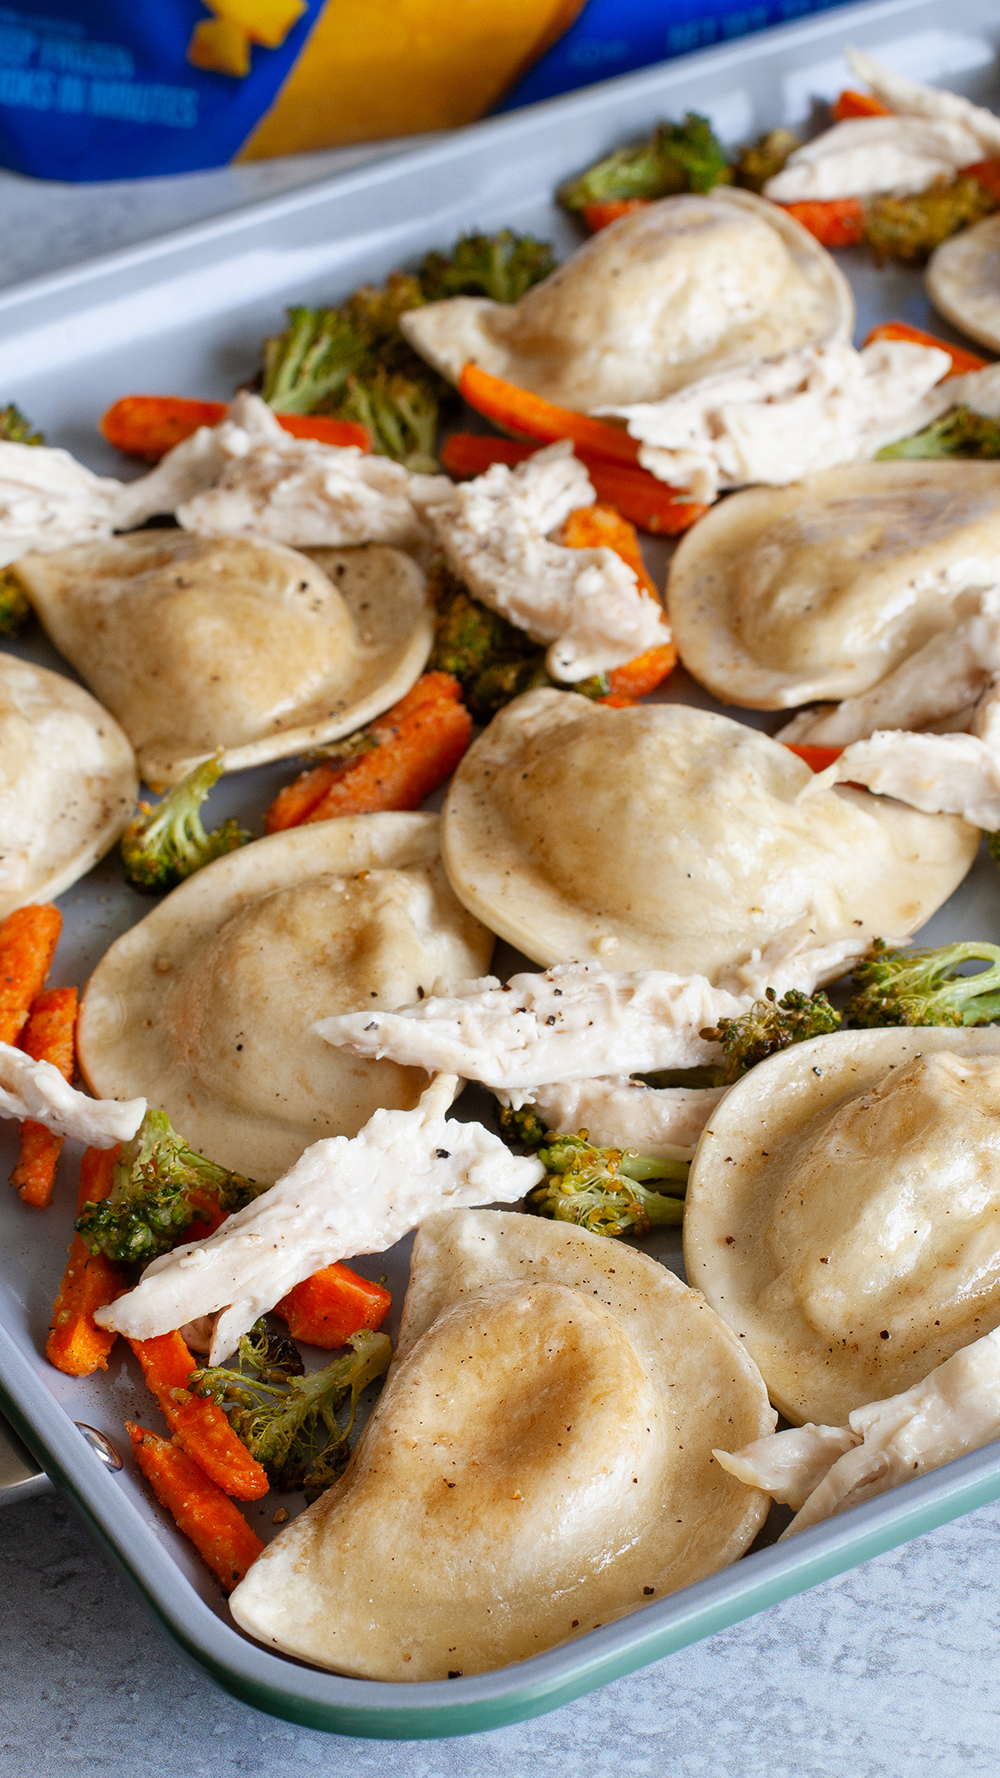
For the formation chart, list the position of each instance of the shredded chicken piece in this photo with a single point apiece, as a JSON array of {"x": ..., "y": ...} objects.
[
  {"x": 49, "y": 500},
  {"x": 586, "y": 603},
  {"x": 343, "y": 1196},
  {"x": 939, "y": 774},
  {"x": 37, "y": 1090},
  {"x": 574, "y": 1022},
  {"x": 864, "y": 155},
  {"x": 943, "y": 680},
  {"x": 619, "y": 1112},
  {"x": 911, "y": 98},
  {"x": 953, "y": 1410},
  {"x": 783, "y": 418}
]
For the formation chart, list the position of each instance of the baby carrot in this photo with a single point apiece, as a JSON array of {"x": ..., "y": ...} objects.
[
  {"x": 48, "y": 1036},
  {"x": 326, "y": 1309},
  {"x": 961, "y": 360},
  {"x": 28, "y": 939},
  {"x": 519, "y": 411},
  {"x": 76, "y": 1345},
  {"x": 638, "y": 496},
  {"x": 198, "y": 1507},
  {"x": 591, "y": 527},
  {"x": 833, "y": 222},
  {"x": 852, "y": 104},
  {"x": 597, "y": 216},
  {"x": 199, "y": 1427},
  {"x": 151, "y": 425}
]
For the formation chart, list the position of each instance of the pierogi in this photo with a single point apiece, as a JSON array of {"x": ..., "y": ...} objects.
[
  {"x": 780, "y": 596},
  {"x": 963, "y": 281},
  {"x": 539, "y": 1462},
  {"x": 662, "y": 837},
  {"x": 235, "y": 643},
  {"x": 843, "y": 1212},
  {"x": 206, "y": 1005},
  {"x": 673, "y": 292},
  {"x": 68, "y": 783}
]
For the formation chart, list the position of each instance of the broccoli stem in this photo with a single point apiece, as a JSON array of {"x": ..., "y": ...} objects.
[
  {"x": 895, "y": 987},
  {"x": 958, "y": 433},
  {"x": 164, "y": 844}
]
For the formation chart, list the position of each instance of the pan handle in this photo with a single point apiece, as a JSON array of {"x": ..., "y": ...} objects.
[{"x": 20, "y": 1476}]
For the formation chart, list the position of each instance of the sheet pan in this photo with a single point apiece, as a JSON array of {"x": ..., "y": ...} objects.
[{"x": 187, "y": 313}]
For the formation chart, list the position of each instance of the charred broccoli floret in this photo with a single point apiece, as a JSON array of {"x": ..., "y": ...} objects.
[
  {"x": 311, "y": 360},
  {"x": 769, "y": 1026},
  {"x": 909, "y": 228},
  {"x": 492, "y": 660},
  {"x": 287, "y": 1418},
  {"x": 14, "y": 606},
  {"x": 15, "y": 428},
  {"x": 400, "y": 412},
  {"x": 603, "y": 1189},
  {"x": 924, "y": 988},
  {"x": 764, "y": 159},
  {"x": 676, "y": 157},
  {"x": 958, "y": 433},
  {"x": 501, "y": 266},
  {"x": 522, "y": 1124},
  {"x": 161, "y": 1187},
  {"x": 164, "y": 844}
]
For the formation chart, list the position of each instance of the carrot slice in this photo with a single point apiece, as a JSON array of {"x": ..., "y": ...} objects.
[
  {"x": 816, "y": 758},
  {"x": 852, "y": 104},
  {"x": 326, "y": 1309},
  {"x": 201, "y": 1510},
  {"x": 834, "y": 222},
  {"x": 644, "y": 674},
  {"x": 519, "y": 411},
  {"x": 76, "y": 1345},
  {"x": 28, "y": 939},
  {"x": 597, "y": 216},
  {"x": 596, "y": 527},
  {"x": 48, "y": 1036},
  {"x": 151, "y": 425},
  {"x": 199, "y": 1427},
  {"x": 418, "y": 744},
  {"x": 639, "y": 497},
  {"x": 961, "y": 360},
  {"x": 987, "y": 174}
]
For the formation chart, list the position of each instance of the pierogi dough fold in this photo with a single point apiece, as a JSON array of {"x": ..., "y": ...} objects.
[
  {"x": 539, "y": 1461},
  {"x": 963, "y": 281},
  {"x": 817, "y": 591},
  {"x": 237, "y": 643},
  {"x": 843, "y": 1212},
  {"x": 663, "y": 837},
  {"x": 205, "y": 1005},
  {"x": 68, "y": 783},
  {"x": 676, "y": 291}
]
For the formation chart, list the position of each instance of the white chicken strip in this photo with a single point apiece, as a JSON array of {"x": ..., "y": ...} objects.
[
  {"x": 586, "y": 603},
  {"x": 911, "y": 98},
  {"x": 783, "y": 418},
  {"x": 939, "y": 774},
  {"x": 618, "y": 1112},
  {"x": 789, "y": 1465},
  {"x": 573, "y": 1022},
  {"x": 865, "y": 155},
  {"x": 343, "y": 1196},
  {"x": 940, "y": 681},
  {"x": 953, "y": 1410},
  {"x": 48, "y": 500},
  {"x": 38, "y": 1091}
]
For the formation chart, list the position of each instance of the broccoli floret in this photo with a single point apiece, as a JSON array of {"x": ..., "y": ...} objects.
[
  {"x": 522, "y": 1125},
  {"x": 288, "y": 1422},
  {"x": 602, "y": 1189},
  {"x": 164, "y": 844},
  {"x": 400, "y": 412},
  {"x": 160, "y": 1188},
  {"x": 14, "y": 606},
  {"x": 311, "y": 360},
  {"x": 374, "y": 311},
  {"x": 909, "y": 228},
  {"x": 923, "y": 988},
  {"x": 769, "y": 1026},
  {"x": 492, "y": 660},
  {"x": 764, "y": 159},
  {"x": 676, "y": 157},
  {"x": 501, "y": 266},
  {"x": 16, "y": 429},
  {"x": 958, "y": 433}
]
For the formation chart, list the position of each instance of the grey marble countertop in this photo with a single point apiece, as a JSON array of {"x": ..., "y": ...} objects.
[{"x": 888, "y": 1672}]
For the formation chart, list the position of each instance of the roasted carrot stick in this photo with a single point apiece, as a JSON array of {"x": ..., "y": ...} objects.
[
  {"x": 594, "y": 527},
  {"x": 151, "y": 425},
  {"x": 48, "y": 1036},
  {"x": 816, "y": 758},
  {"x": 199, "y": 1427},
  {"x": 852, "y": 104},
  {"x": 413, "y": 748},
  {"x": 76, "y": 1345},
  {"x": 834, "y": 222},
  {"x": 961, "y": 360},
  {"x": 28, "y": 939},
  {"x": 644, "y": 674},
  {"x": 639, "y": 497},
  {"x": 208, "y": 1517},
  {"x": 519, "y": 411},
  {"x": 597, "y": 216},
  {"x": 326, "y": 1309}
]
